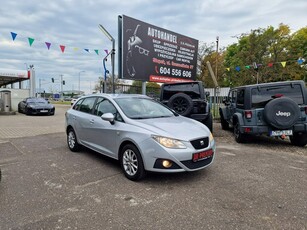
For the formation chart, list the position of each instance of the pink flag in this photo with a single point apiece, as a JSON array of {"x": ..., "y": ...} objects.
[{"x": 62, "y": 48}]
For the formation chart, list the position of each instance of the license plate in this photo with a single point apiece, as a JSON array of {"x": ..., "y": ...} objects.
[
  {"x": 281, "y": 132},
  {"x": 44, "y": 111},
  {"x": 202, "y": 155}
]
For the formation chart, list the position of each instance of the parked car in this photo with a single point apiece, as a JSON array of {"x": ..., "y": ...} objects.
[
  {"x": 276, "y": 109},
  {"x": 36, "y": 105},
  {"x": 188, "y": 99},
  {"x": 140, "y": 132}
]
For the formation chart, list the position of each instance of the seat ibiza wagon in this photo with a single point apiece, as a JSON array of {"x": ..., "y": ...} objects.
[{"x": 140, "y": 132}]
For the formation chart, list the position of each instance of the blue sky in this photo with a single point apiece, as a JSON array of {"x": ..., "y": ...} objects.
[{"x": 74, "y": 24}]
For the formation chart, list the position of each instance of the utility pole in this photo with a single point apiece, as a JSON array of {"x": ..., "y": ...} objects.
[{"x": 61, "y": 82}]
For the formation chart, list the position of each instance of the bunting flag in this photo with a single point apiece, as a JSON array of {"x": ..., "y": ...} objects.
[
  {"x": 300, "y": 61},
  {"x": 48, "y": 44},
  {"x": 283, "y": 63},
  {"x": 62, "y": 48},
  {"x": 31, "y": 40},
  {"x": 107, "y": 52},
  {"x": 14, "y": 35}
]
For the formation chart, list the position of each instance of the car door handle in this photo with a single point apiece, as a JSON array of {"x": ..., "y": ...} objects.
[{"x": 92, "y": 121}]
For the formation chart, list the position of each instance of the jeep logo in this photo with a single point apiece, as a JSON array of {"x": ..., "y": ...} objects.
[{"x": 283, "y": 114}]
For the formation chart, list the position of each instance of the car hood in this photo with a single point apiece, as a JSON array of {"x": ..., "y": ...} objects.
[{"x": 176, "y": 127}]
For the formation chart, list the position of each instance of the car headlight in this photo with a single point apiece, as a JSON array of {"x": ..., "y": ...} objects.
[
  {"x": 211, "y": 137},
  {"x": 169, "y": 142}
]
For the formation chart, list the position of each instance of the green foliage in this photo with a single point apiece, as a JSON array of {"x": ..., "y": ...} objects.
[{"x": 260, "y": 46}]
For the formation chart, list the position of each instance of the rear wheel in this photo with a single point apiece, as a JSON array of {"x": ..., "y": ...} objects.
[
  {"x": 299, "y": 139},
  {"x": 131, "y": 163},
  {"x": 72, "y": 142},
  {"x": 239, "y": 137}
]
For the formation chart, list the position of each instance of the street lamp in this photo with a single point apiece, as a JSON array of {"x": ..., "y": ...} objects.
[
  {"x": 108, "y": 35},
  {"x": 79, "y": 78}
]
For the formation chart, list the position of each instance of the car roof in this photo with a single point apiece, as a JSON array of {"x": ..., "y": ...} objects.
[{"x": 269, "y": 84}]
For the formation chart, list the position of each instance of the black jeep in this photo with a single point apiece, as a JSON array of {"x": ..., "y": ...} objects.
[
  {"x": 187, "y": 99},
  {"x": 277, "y": 109}
]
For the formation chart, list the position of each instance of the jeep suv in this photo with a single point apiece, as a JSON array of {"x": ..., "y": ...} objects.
[
  {"x": 187, "y": 99},
  {"x": 277, "y": 109}
]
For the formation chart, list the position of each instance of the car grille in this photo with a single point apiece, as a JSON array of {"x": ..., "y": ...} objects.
[
  {"x": 198, "y": 164},
  {"x": 200, "y": 143}
]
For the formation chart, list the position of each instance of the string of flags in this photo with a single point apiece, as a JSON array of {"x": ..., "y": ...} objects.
[
  {"x": 61, "y": 47},
  {"x": 300, "y": 61}
]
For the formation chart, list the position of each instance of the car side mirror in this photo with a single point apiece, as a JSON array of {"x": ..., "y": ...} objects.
[{"x": 108, "y": 117}]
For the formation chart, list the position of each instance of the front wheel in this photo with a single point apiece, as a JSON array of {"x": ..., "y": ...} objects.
[
  {"x": 208, "y": 122},
  {"x": 131, "y": 163},
  {"x": 72, "y": 142},
  {"x": 224, "y": 123}
]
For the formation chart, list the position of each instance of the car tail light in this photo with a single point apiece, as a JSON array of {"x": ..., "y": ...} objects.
[
  {"x": 248, "y": 114},
  {"x": 247, "y": 129}
]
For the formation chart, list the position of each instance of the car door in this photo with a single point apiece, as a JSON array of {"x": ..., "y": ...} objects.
[
  {"x": 82, "y": 119},
  {"x": 102, "y": 136},
  {"x": 231, "y": 108}
]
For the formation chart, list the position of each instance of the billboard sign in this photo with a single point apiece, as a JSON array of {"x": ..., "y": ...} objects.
[{"x": 151, "y": 53}]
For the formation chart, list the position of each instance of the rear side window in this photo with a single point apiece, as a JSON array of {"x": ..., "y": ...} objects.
[
  {"x": 262, "y": 95},
  {"x": 86, "y": 105},
  {"x": 191, "y": 89}
]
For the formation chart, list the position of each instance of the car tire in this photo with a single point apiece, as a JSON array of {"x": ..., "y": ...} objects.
[
  {"x": 72, "y": 141},
  {"x": 239, "y": 137},
  {"x": 224, "y": 123},
  {"x": 289, "y": 109},
  {"x": 181, "y": 103},
  {"x": 209, "y": 122},
  {"x": 131, "y": 163},
  {"x": 299, "y": 139},
  {"x": 19, "y": 109}
]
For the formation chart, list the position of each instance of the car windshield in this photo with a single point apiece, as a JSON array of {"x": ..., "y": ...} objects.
[
  {"x": 143, "y": 108},
  {"x": 36, "y": 101}
]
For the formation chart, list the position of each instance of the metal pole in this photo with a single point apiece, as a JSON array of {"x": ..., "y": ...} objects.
[
  {"x": 113, "y": 63},
  {"x": 79, "y": 78},
  {"x": 217, "y": 51},
  {"x": 109, "y": 36}
]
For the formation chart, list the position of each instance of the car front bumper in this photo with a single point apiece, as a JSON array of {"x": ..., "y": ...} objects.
[{"x": 182, "y": 159}]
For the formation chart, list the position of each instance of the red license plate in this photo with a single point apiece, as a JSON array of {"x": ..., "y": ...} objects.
[{"x": 202, "y": 155}]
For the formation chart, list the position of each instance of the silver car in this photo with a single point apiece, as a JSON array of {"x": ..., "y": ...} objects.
[{"x": 141, "y": 133}]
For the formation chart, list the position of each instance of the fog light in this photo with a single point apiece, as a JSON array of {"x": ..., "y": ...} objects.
[{"x": 166, "y": 164}]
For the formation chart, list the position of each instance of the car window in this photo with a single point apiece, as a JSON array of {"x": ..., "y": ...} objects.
[
  {"x": 240, "y": 98},
  {"x": 262, "y": 95},
  {"x": 87, "y": 104},
  {"x": 105, "y": 106}
]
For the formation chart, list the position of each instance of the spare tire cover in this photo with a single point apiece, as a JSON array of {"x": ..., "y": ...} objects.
[
  {"x": 181, "y": 103},
  {"x": 281, "y": 113}
]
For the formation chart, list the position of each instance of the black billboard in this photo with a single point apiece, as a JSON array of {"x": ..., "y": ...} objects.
[{"x": 151, "y": 53}]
